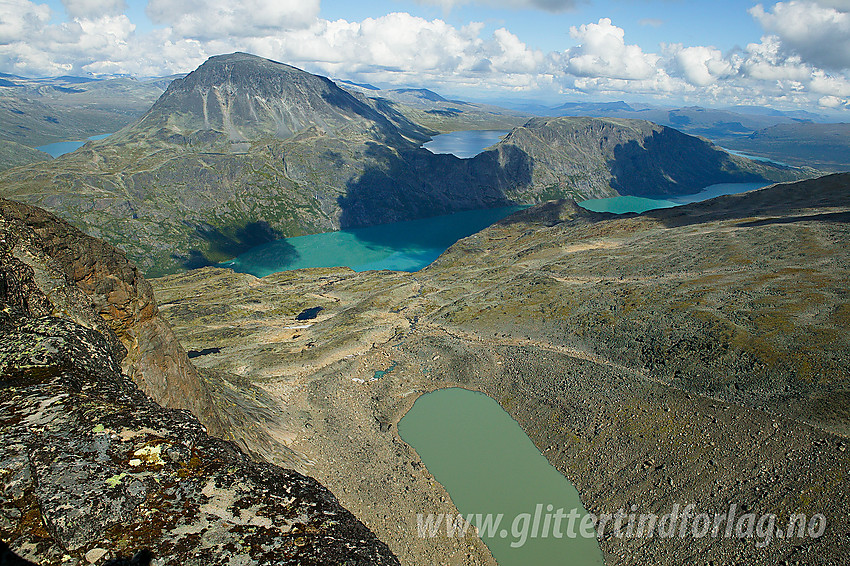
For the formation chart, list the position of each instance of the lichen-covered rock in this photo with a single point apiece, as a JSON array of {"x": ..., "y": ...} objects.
[{"x": 90, "y": 468}]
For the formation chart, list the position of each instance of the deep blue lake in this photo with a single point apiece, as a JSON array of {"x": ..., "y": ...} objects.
[
  {"x": 63, "y": 147},
  {"x": 466, "y": 143},
  {"x": 401, "y": 246}
]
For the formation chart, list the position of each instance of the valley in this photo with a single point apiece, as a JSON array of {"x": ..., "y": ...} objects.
[
  {"x": 243, "y": 151},
  {"x": 695, "y": 353}
]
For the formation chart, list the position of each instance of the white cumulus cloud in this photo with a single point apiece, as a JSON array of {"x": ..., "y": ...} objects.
[
  {"x": 547, "y": 5},
  {"x": 767, "y": 61},
  {"x": 702, "y": 66},
  {"x": 406, "y": 50},
  {"x": 603, "y": 53},
  {"x": 21, "y": 18},
  {"x": 819, "y": 32}
]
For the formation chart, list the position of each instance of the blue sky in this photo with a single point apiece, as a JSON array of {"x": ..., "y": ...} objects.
[
  {"x": 790, "y": 54},
  {"x": 723, "y": 23}
]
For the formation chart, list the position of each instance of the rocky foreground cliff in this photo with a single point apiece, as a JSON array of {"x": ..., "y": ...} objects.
[
  {"x": 244, "y": 150},
  {"x": 93, "y": 470},
  {"x": 689, "y": 355}
]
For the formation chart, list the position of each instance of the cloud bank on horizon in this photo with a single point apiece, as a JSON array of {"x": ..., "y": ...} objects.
[{"x": 802, "y": 60}]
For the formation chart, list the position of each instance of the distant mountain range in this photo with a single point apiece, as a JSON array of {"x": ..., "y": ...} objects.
[
  {"x": 245, "y": 150},
  {"x": 823, "y": 146},
  {"x": 36, "y": 112},
  {"x": 712, "y": 123}
]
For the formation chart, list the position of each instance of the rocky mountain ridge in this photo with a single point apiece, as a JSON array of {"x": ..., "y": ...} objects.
[
  {"x": 93, "y": 284},
  {"x": 246, "y": 98}
]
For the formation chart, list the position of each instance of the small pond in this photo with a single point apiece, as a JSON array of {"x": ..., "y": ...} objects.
[{"x": 63, "y": 147}]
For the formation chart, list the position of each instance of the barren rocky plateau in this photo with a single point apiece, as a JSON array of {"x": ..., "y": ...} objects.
[{"x": 690, "y": 355}]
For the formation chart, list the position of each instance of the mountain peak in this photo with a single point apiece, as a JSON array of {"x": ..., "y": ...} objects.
[
  {"x": 239, "y": 57},
  {"x": 244, "y": 97}
]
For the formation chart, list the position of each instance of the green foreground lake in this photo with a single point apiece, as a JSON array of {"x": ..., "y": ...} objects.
[{"x": 490, "y": 467}]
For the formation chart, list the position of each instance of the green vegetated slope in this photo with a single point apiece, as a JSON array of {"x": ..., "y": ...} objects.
[
  {"x": 35, "y": 112},
  {"x": 13, "y": 154},
  {"x": 740, "y": 297},
  {"x": 245, "y": 150}
]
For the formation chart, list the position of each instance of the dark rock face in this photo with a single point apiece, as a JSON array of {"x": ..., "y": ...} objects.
[{"x": 91, "y": 468}]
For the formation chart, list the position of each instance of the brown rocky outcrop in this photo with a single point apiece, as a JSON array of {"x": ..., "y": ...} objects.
[{"x": 93, "y": 283}]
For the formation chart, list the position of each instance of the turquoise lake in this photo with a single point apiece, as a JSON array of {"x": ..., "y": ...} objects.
[
  {"x": 412, "y": 245},
  {"x": 625, "y": 204},
  {"x": 489, "y": 466},
  {"x": 401, "y": 246},
  {"x": 63, "y": 147},
  {"x": 465, "y": 143},
  {"x": 754, "y": 157}
]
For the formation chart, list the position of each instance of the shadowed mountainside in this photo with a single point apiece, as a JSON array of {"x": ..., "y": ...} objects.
[{"x": 584, "y": 158}]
